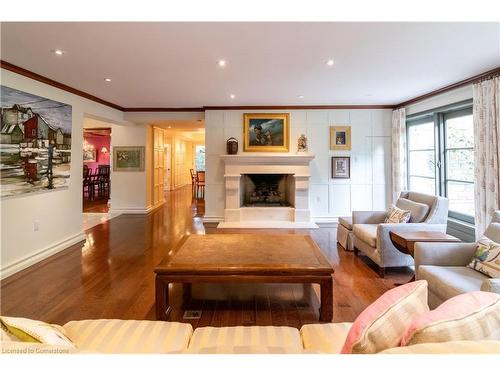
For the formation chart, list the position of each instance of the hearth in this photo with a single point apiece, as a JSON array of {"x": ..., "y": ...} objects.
[{"x": 267, "y": 190}]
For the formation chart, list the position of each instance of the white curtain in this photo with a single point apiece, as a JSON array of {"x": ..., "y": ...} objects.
[
  {"x": 486, "y": 114},
  {"x": 398, "y": 152}
]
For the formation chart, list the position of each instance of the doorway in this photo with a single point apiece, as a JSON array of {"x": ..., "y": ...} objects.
[{"x": 96, "y": 170}]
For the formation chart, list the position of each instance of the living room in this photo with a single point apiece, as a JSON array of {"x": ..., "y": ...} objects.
[{"x": 252, "y": 188}]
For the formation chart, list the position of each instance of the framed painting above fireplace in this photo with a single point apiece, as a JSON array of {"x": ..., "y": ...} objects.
[{"x": 266, "y": 132}]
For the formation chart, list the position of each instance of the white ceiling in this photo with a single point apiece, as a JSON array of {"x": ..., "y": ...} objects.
[{"x": 175, "y": 64}]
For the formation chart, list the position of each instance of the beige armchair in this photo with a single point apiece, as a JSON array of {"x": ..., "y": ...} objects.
[
  {"x": 444, "y": 266},
  {"x": 371, "y": 234}
]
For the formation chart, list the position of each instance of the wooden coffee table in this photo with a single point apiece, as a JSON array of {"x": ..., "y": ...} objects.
[{"x": 244, "y": 258}]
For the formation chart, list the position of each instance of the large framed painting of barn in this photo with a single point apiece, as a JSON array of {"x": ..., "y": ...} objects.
[{"x": 35, "y": 144}]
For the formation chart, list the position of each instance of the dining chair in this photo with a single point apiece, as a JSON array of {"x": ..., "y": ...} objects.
[{"x": 200, "y": 183}]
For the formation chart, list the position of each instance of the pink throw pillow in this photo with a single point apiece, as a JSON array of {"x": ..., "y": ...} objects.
[
  {"x": 382, "y": 324},
  {"x": 469, "y": 316}
]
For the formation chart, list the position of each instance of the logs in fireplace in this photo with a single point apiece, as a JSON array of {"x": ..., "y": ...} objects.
[{"x": 266, "y": 190}]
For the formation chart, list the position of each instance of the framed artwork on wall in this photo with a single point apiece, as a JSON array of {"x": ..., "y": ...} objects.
[
  {"x": 90, "y": 155},
  {"x": 266, "y": 132},
  {"x": 341, "y": 167},
  {"x": 340, "y": 138},
  {"x": 35, "y": 143},
  {"x": 128, "y": 159}
]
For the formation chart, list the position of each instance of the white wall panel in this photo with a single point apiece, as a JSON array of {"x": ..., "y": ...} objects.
[{"x": 329, "y": 198}]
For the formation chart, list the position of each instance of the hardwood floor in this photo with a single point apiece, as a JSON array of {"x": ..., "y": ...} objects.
[
  {"x": 99, "y": 205},
  {"x": 111, "y": 276}
]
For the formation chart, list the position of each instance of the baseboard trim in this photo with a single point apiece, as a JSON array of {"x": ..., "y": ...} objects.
[
  {"x": 32, "y": 259},
  {"x": 213, "y": 219},
  {"x": 136, "y": 210}
]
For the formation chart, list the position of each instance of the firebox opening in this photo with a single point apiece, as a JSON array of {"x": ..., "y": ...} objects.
[{"x": 268, "y": 190}]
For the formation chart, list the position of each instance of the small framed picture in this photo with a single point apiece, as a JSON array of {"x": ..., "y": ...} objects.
[
  {"x": 340, "y": 138},
  {"x": 130, "y": 159},
  {"x": 90, "y": 155},
  {"x": 341, "y": 167}
]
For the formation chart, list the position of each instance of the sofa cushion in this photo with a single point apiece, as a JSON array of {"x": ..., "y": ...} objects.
[
  {"x": 486, "y": 258},
  {"x": 129, "y": 336},
  {"x": 418, "y": 210},
  {"x": 253, "y": 338},
  {"x": 470, "y": 316},
  {"x": 28, "y": 330},
  {"x": 449, "y": 347},
  {"x": 325, "y": 338},
  {"x": 448, "y": 282},
  {"x": 346, "y": 222},
  {"x": 366, "y": 233},
  {"x": 382, "y": 324},
  {"x": 396, "y": 215}
]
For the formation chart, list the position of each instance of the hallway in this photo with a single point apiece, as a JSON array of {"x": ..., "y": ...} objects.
[{"x": 111, "y": 276}]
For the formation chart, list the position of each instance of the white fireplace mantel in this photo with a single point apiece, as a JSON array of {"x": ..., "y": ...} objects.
[
  {"x": 268, "y": 159},
  {"x": 237, "y": 216}
]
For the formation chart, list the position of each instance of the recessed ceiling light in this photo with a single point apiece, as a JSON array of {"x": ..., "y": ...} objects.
[
  {"x": 58, "y": 52},
  {"x": 221, "y": 63},
  {"x": 232, "y": 96},
  {"x": 329, "y": 62},
  {"x": 301, "y": 96},
  {"x": 107, "y": 79}
]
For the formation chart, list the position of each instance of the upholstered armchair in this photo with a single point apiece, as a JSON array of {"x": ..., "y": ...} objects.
[
  {"x": 371, "y": 234},
  {"x": 444, "y": 266}
]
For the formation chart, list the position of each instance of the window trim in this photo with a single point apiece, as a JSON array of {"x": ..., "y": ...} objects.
[{"x": 439, "y": 116}]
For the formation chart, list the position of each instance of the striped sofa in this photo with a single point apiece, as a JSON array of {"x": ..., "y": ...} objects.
[{"x": 157, "y": 337}]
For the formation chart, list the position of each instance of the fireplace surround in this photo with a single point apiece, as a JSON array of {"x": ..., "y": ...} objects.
[{"x": 267, "y": 191}]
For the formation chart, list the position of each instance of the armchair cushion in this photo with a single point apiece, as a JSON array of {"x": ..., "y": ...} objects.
[
  {"x": 448, "y": 282},
  {"x": 486, "y": 258},
  {"x": 418, "y": 210},
  {"x": 366, "y": 233}
]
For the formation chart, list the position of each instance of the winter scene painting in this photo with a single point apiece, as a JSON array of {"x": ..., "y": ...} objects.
[{"x": 35, "y": 144}]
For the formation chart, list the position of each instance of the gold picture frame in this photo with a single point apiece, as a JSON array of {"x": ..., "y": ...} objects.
[
  {"x": 340, "y": 138},
  {"x": 266, "y": 132}
]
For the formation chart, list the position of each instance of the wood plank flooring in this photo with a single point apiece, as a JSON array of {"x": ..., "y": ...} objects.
[{"x": 110, "y": 275}]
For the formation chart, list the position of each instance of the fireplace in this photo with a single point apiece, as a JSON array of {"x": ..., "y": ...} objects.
[{"x": 267, "y": 190}]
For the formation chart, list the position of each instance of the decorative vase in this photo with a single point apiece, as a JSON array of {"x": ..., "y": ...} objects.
[{"x": 232, "y": 146}]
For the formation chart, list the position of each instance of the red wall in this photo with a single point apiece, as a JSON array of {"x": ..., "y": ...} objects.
[{"x": 99, "y": 141}]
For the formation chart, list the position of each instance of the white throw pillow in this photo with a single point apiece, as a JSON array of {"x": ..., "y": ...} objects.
[
  {"x": 486, "y": 259},
  {"x": 396, "y": 215}
]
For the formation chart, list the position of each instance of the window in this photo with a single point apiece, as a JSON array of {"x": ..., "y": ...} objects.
[
  {"x": 200, "y": 157},
  {"x": 441, "y": 157}
]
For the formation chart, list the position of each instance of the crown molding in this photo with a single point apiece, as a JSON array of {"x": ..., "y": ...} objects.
[
  {"x": 37, "y": 77},
  {"x": 453, "y": 86},
  {"x": 280, "y": 107},
  {"x": 166, "y": 109}
]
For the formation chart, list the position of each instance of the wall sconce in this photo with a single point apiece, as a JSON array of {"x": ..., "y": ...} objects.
[{"x": 104, "y": 150}]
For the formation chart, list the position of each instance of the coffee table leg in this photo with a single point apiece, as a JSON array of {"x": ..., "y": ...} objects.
[
  {"x": 186, "y": 294},
  {"x": 162, "y": 304},
  {"x": 326, "y": 310}
]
